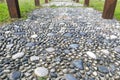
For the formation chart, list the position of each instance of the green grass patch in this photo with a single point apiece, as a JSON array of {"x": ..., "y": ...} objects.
[
  {"x": 4, "y": 15},
  {"x": 26, "y": 6},
  {"x": 99, "y": 5},
  {"x": 43, "y": 78}
]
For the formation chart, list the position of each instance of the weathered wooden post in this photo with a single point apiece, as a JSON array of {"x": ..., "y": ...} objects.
[
  {"x": 73, "y": 0},
  {"x": 77, "y": 1},
  {"x": 109, "y": 8},
  {"x": 86, "y": 2},
  {"x": 37, "y": 3},
  {"x": 13, "y": 8},
  {"x": 46, "y": 1}
]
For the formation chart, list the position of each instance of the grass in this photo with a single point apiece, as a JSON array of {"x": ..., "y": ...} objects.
[
  {"x": 26, "y": 6},
  {"x": 99, "y": 5},
  {"x": 4, "y": 15},
  {"x": 42, "y": 78}
]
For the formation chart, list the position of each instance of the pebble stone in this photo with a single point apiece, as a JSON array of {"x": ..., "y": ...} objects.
[
  {"x": 103, "y": 69},
  {"x": 34, "y": 58},
  {"x": 15, "y": 75},
  {"x": 34, "y": 36},
  {"x": 91, "y": 54},
  {"x": 41, "y": 71},
  {"x": 50, "y": 49},
  {"x": 62, "y": 43},
  {"x": 78, "y": 64},
  {"x": 18, "y": 55},
  {"x": 70, "y": 77},
  {"x": 105, "y": 51}
]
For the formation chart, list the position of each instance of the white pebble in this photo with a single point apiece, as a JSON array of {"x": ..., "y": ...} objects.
[
  {"x": 50, "y": 49},
  {"x": 33, "y": 36},
  {"x": 113, "y": 37},
  {"x": 41, "y": 71},
  {"x": 34, "y": 58},
  {"x": 91, "y": 54},
  {"x": 106, "y": 52},
  {"x": 18, "y": 55}
]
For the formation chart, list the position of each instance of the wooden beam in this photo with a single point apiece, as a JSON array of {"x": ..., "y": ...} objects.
[
  {"x": 77, "y": 1},
  {"x": 109, "y": 9},
  {"x": 86, "y": 2},
  {"x": 13, "y": 8},
  {"x": 46, "y": 1},
  {"x": 37, "y": 3}
]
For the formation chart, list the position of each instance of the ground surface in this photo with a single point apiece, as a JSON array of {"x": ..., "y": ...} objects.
[{"x": 71, "y": 43}]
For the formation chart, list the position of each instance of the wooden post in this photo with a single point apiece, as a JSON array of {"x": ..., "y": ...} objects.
[
  {"x": 77, "y": 1},
  {"x": 109, "y": 8},
  {"x": 13, "y": 8},
  {"x": 46, "y": 1},
  {"x": 37, "y": 3},
  {"x": 86, "y": 2}
]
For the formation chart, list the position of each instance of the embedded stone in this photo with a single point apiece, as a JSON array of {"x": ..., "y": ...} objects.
[
  {"x": 78, "y": 64},
  {"x": 41, "y": 71},
  {"x": 91, "y": 54},
  {"x": 50, "y": 49},
  {"x": 34, "y": 58},
  {"x": 18, "y": 55},
  {"x": 103, "y": 69}
]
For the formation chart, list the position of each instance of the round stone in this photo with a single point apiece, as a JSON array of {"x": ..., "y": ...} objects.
[
  {"x": 95, "y": 73},
  {"x": 103, "y": 69},
  {"x": 18, "y": 55},
  {"x": 68, "y": 34},
  {"x": 50, "y": 49},
  {"x": 113, "y": 37},
  {"x": 52, "y": 70},
  {"x": 91, "y": 54},
  {"x": 65, "y": 70},
  {"x": 33, "y": 36},
  {"x": 78, "y": 64},
  {"x": 30, "y": 44},
  {"x": 106, "y": 52},
  {"x": 34, "y": 58},
  {"x": 15, "y": 75},
  {"x": 70, "y": 77},
  {"x": 7, "y": 32},
  {"x": 74, "y": 46},
  {"x": 117, "y": 49},
  {"x": 9, "y": 46},
  {"x": 50, "y": 34},
  {"x": 41, "y": 71}
]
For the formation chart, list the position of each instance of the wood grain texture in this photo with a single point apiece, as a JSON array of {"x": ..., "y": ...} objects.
[
  {"x": 13, "y": 8},
  {"x": 86, "y": 2},
  {"x": 37, "y": 3},
  {"x": 109, "y": 9}
]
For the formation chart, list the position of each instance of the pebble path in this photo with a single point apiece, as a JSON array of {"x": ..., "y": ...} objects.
[{"x": 61, "y": 44}]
